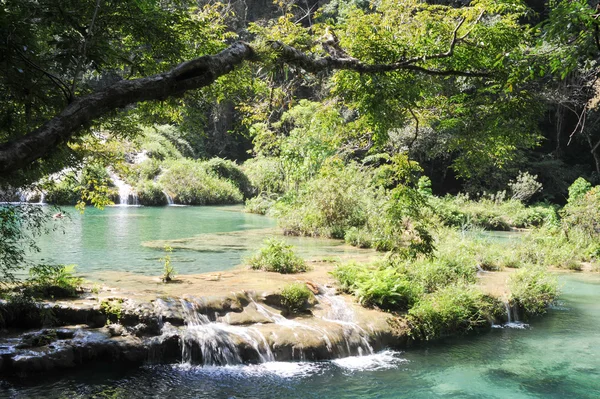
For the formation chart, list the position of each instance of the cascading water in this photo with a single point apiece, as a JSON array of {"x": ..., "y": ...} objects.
[
  {"x": 126, "y": 195},
  {"x": 169, "y": 198},
  {"x": 342, "y": 314},
  {"x": 216, "y": 343},
  {"x": 512, "y": 317},
  {"x": 23, "y": 196}
]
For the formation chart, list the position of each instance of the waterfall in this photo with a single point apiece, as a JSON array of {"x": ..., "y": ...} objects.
[
  {"x": 340, "y": 313},
  {"x": 23, "y": 196},
  {"x": 512, "y": 317},
  {"x": 42, "y": 198},
  {"x": 126, "y": 195},
  {"x": 216, "y": 343},
  {"x": 169, "y": 198}
]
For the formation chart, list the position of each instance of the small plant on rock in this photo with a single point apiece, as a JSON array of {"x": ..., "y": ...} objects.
[
  {"x": 113, "y": 309},
  {"x": 296, "y": 297},
  {"x": 277, "y": 256},
  {"x": 168, "y": 268}
]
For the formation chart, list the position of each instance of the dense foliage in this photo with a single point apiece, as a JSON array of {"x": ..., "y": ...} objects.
[{"x": 358, "y": 119}]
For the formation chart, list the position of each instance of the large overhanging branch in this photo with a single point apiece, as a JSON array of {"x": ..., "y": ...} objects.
[
  {"x": 293, "y": 56},
  {"x": 200, "y": 72},
  {"x": 194, "y": 74}
]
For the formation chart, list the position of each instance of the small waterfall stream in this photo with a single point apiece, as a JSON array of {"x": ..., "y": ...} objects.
[
  {"x": 512, "y": 317},
  {"x": 169, "y": 198},
  {"x": 217, "y": 343},
  {"x": 23, "y": 196},
  {"x": 126, "y": 194},
  {"x": 342, "y": 314}
]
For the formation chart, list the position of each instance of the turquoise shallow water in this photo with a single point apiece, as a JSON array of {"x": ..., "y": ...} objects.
[
  {"x": 113, "y": 238},
  {"x": 131, "y": 239},
  {"x": 557, "y": 357}
]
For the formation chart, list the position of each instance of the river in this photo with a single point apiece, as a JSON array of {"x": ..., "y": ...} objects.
[
  {"x": 132, "y": 239},
  {"x": 558, "y": 356}
]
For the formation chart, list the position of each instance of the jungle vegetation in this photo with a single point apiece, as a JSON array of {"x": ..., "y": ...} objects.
[{"x": 398, "y": 125}]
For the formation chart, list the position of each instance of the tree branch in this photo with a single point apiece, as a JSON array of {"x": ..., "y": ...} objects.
[
  {"x": 194, "y": 74},
  {"x": 53, "y": 78},
  {"x": 296, "y": 57},
  {"x": 190, "y": 75}
]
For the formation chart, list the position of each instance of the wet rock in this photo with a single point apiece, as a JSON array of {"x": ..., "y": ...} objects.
[
  {"x": 37, "y": 339},
  {"x": 250, "y": 315},
  {"x": 116, "y": 330},
  {"x": 89, "y": 314},
  {"x": 165, "y": 348},
  {"x": 172, "y": 330},
  {"x": 169, "y": 310},
  {"x": 273, "y": 299},
  {"x": 314, "y": 288},
  {"x": 143, "y": 329},
  {"x": 214, "y": 307}
]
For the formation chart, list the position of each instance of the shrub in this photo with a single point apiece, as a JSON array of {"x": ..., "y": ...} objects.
[
  {"x": 582, "y": 213},
  {"x": 190, "y": 184},
  {"x": 330, "y": 204},
  {"x": 347, "y": 275},
  {"x": 53, "y": 281},
  {"x": 491, "y": 215},
  {"x": 436, "y": 273},
  {"x": 277, "y": 256},
  {"x": 358, "y": 237},
  {"x": 387, "y": 289},
  {"x": 151, "y": 194},
  {"x": 261, "y": 204},
  {"x": 578, "y": 189},
  {"x": 296, "y": 297},
  {"x": 64, "y": 192},
  {"x": 265, "y": 174},
  {"x": 164, "y": 142},
  {"x": 574, "y": 265},
  {"x": 228, "y": 170},
  {"x": 524, "y": 186},
  {"x": 381, "y": 285},
  {"x": 146, "y": 170},
  {"x": 452, "y": 310},
  {"x": 533, "y": 289}
]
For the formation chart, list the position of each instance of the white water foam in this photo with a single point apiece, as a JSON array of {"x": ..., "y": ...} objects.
[
  {"x": 378, "y": 361},
  {"x": 513, "y": 324},
  {"x": 276, "y": 369}
]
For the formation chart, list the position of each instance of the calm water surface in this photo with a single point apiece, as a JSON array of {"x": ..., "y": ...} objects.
[
  {"x": 113, "y": 238},
  {"x": 132, "y": 239},
  {"x": 558, "y": 357}
]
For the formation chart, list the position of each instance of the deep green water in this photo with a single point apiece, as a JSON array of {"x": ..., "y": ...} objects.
[{"x": 557, "y": 357}]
